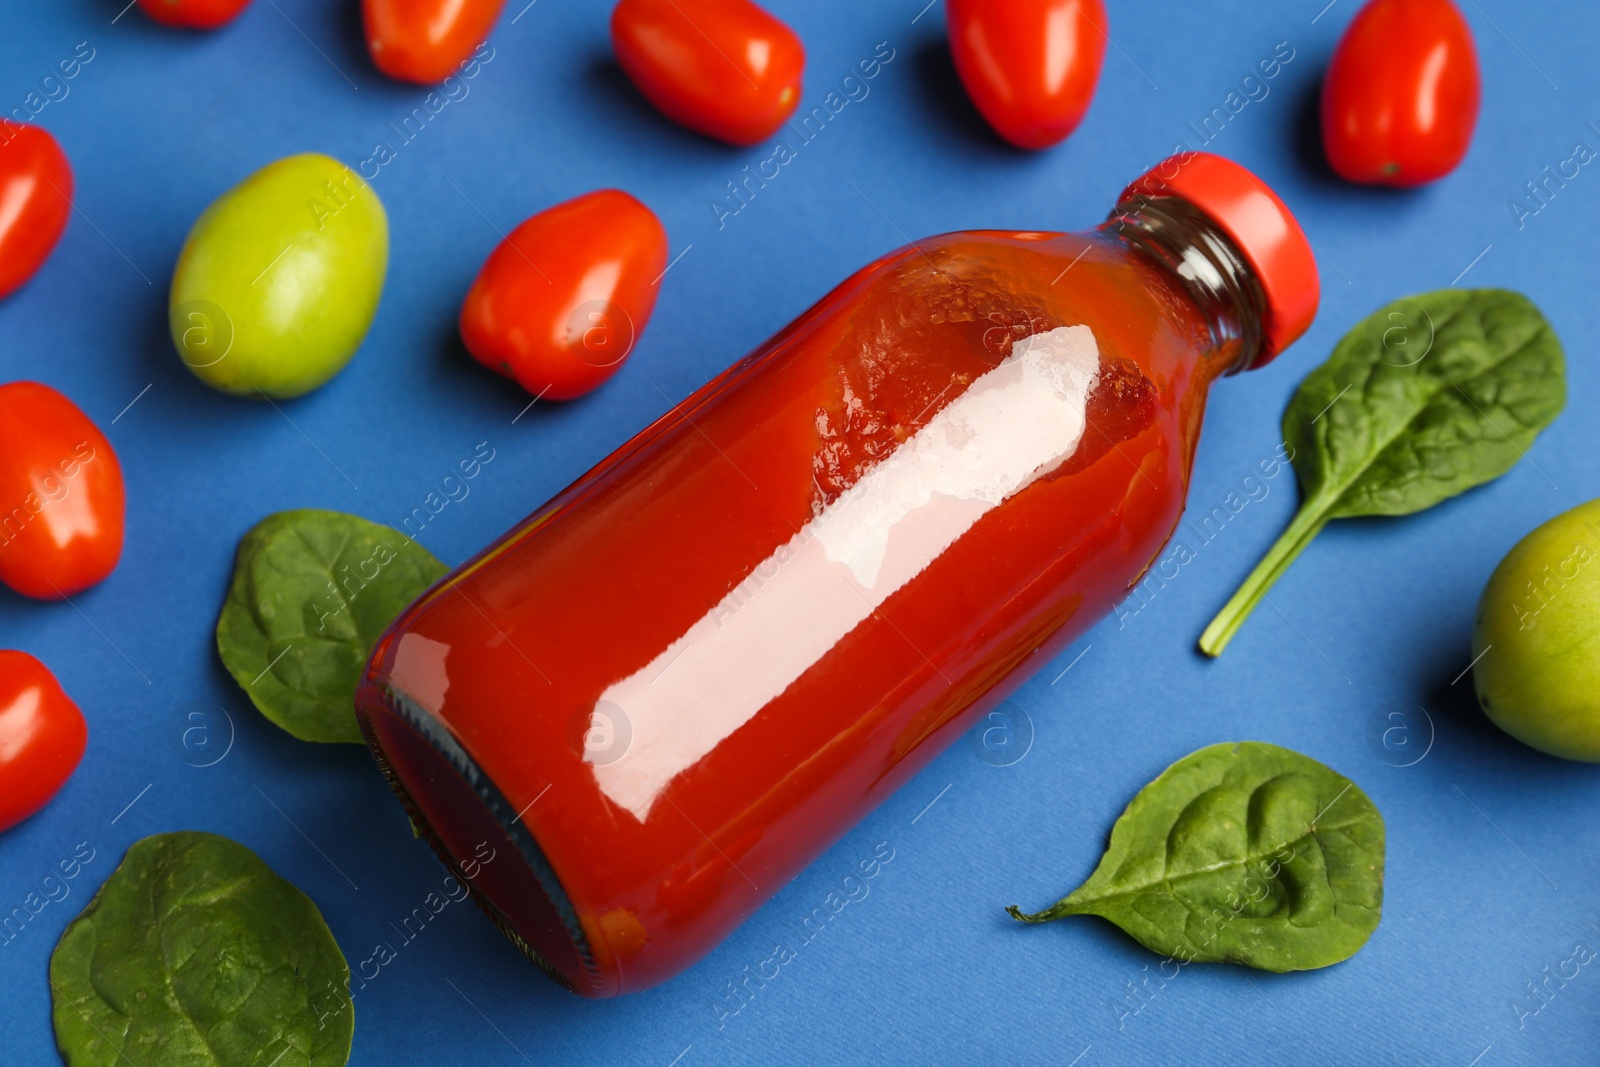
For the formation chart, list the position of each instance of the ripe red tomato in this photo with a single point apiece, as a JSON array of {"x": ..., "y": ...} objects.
[
  {"x": 42, "y": 737},
  {"x": 61, "y": 498},
  {"x": 1401, "y": 98},
  {"x": 560, "y": 302},
  {"x": 426, "y": 40},
  {"x": 1030, "y": 65},
  {"x": 35, "y": 200},
  {"x": 723, "y": 67},
  {"x": 194, "y": 14}
]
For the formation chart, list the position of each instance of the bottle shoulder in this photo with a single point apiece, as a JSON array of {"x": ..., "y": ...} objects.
[
  {"x": 1024, "y": 281},
  {"x": 906, "y": 336}
]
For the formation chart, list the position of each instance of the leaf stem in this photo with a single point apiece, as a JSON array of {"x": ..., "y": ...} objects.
[
  {"x": 1059, "y": 910},
  {"x": 1308, "y": 522}
]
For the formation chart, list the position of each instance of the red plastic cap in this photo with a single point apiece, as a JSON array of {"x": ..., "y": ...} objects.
[{"x": 1262, "y": 229}]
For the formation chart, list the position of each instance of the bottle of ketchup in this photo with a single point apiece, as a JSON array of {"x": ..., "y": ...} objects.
[{"x": 677, "y": 683}]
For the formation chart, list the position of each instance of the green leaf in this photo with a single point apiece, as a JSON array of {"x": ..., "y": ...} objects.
[
  {"x": 1241, "y": 853},
  {"x": 312, "y": 592},
  {"x": 1427, "y": 397},
  {"x": 194, "y": 954}
]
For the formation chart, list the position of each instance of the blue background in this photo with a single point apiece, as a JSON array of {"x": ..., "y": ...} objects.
[{"x": 1492, "y": 867}]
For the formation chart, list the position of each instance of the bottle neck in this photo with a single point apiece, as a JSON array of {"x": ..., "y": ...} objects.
[{"x": 1204, "y": 263}]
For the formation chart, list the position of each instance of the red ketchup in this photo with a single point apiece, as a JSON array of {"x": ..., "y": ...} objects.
[{"x": 684, "y": 678}]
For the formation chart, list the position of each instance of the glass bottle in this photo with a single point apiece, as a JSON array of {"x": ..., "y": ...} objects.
[{"x": 636, "y": 716}]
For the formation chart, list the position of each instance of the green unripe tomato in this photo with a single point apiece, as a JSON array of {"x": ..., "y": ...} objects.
[
  {"x": 279, "y": 280},
  {"x": 1538, "y": 636}
]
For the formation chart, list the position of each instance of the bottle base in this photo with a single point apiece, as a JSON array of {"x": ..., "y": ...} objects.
[{"x": 477, "y": 834}]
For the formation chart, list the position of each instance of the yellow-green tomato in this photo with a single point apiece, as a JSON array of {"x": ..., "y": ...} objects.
[
  {"x": 280, "y": 278},
  {"x": 1538, "y": 638}
]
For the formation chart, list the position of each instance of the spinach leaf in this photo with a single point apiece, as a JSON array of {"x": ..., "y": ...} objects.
[
  {"x": 1241, "y": 853},
  {"x": 312, "y": 592},
  {"x": 1425, "y": 398},
  {"x": 195, "y": 953}
]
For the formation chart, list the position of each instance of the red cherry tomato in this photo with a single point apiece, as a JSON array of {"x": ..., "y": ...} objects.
[
  {"x": 1401, "y": 98},
  {"x": 1030, "y": 65},
  {"x": 561, "y": 301},
  {"x": 42, "y": 736},
  {"x": 35, "y": 200},
  {"x": 61, "y": 499},
  {"x": 426, "y": 40},
  {"x": 723, "y": 67},
  {"x": 194, "y": 14}
]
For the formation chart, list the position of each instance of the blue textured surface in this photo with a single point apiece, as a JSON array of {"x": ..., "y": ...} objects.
[{"x": 1493, "y": 865}]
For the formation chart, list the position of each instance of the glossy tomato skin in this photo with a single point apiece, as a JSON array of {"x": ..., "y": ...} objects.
[
  {"x": 725, "y": 68},
  {"x": 35, "y": 201},
  {"x": 1400, "y": 101},
  {"x": 61, "y": 495},
  {"x": 426, "y": 40},
  {"x": 1030, "y": 66},
  {"x": 561, "y": 301},
  {"x": 42, "y": 736},
  {"x": 194, "y": 14}
]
